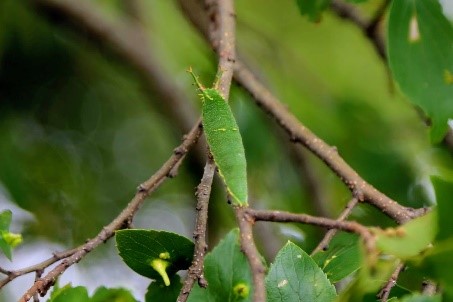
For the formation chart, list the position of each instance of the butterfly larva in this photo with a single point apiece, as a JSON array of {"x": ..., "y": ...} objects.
[{"x": 225, "y": 142}]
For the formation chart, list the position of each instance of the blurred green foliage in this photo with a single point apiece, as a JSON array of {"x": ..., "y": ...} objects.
[{"x": 79, "y": 133}]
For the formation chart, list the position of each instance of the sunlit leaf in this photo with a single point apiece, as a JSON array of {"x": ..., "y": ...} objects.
[
  {"x": 294, "y": 276},
  {"x": 410, "y": 239}
]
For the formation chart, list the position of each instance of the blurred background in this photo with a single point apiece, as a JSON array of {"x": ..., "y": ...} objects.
[{"x": 81, "y": 126}]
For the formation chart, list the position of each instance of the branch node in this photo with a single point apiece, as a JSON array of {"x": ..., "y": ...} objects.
[
  {"x": 179, "y": 150},
  {"x": 141, "y": 188},
  {"x": 202, "y": 282},
  {"x": 358, "y": 194}
]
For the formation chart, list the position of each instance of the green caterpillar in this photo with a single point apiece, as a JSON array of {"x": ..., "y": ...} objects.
[{"x": 225, "y": 142}]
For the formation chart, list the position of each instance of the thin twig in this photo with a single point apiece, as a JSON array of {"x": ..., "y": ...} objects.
[
  {"x": 349, "y": 12},
  {"x": 195, "y": 271},
  {"x": 348, "y": 226},
  {"x": 223, "y": 38},
  {"x": 38, "y": 275},
  {"x": 13, "y": 274},
  {"x": 384, "y": 293},
  {"x": 4, "y": 271},
  {"x": 378, "y": 15},
  {"x": 248, "y": 246},
  {"x": 324, "y": 243},
  {"x": 42, "y": 285}
]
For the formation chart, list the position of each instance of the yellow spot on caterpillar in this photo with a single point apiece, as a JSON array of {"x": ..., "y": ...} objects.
[
  {"x": 329, "y": 260},
  {"x": 414, "y": 33},
  {"x": 282, "y": 283},
  {"x": 448, "y": 77},
  {"x": 226, "y": 129}
]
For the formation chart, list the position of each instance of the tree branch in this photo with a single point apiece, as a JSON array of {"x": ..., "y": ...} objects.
[
  {"x": 223, "y": 38},
  {"x": 348, "y": 226},
  {"x": 123, "y": 220},
  {"x": 384, "y": 293},
  {"x": 195, "y": 271},
  {"x": 324, "y": 243},
  {"x": 248, "y": 246},
  {"x": 11, "y": 275}
]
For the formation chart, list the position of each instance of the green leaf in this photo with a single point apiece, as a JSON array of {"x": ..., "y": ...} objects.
[
  {"x": 8, "y": 240},
  {"x": 312, "y": 8},
  {"x": 369, "y": 280},
  {"x": 5, "y": 220},
  {"x": 80, "y": 294},
  {"x": 421, "y": 298},
  {"x": 410, "y": 239},
  {"x": 225, "y": 142},
  {"x": 157, "y": 291},
  {"x": 154, "y": 254},
  {"x": 342, "y": 258},
  {"x": 444, "y": 193},
  {"x": 228, "y": 274},
  {"x": 420, "y": 51},
  {"x": 70, "y": 294},
  {"x": 436, "y": 265},
  {"x": 294, "y": 276},
  {"x": 103, "y": 294}
]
